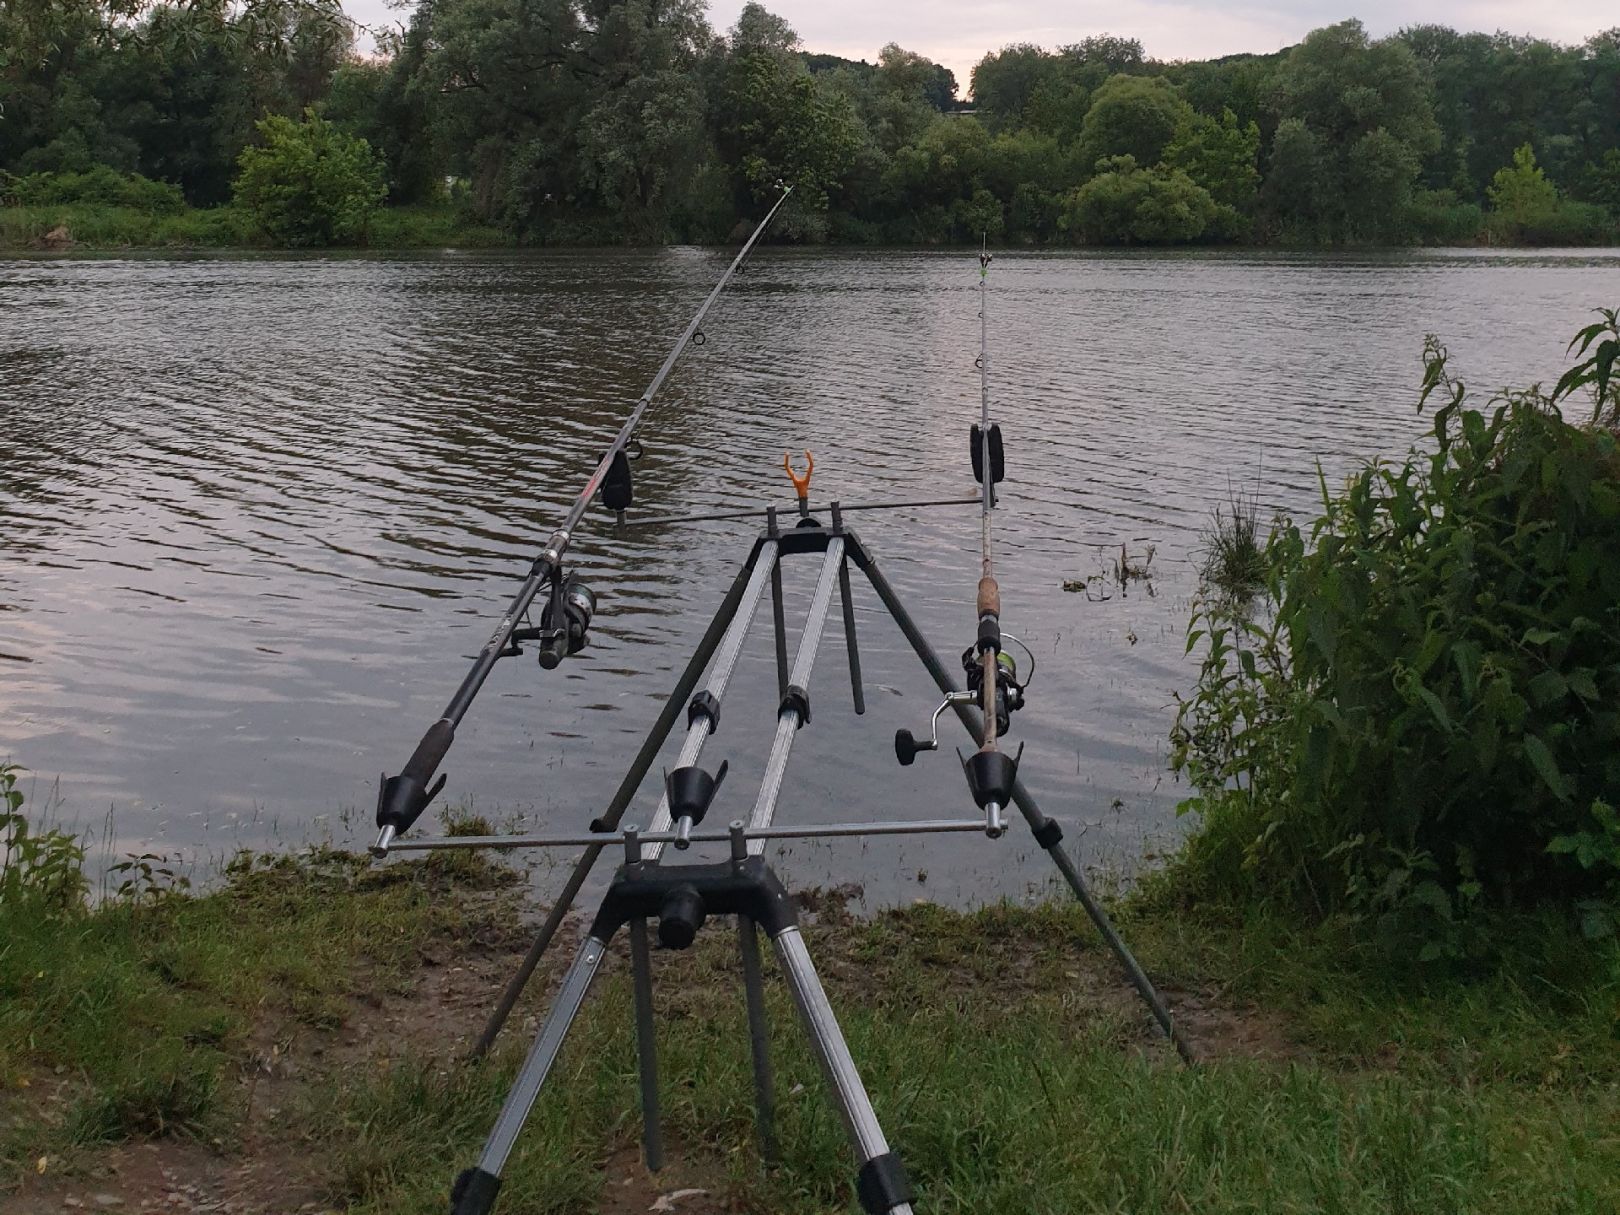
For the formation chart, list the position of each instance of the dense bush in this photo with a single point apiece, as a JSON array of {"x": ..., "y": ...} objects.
[
  {"x": 309, "y": 184},
  {"x": 100, "y": 185},
  {"x": 1127, "y": 205},
  {"x": 1425, "y": 719}
]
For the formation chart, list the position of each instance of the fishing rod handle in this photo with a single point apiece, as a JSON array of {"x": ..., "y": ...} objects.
[{"x": 989, "y": 597}]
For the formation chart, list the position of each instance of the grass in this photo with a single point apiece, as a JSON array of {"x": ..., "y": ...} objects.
[
  {"x": 1010, "y": 1084},
  {"x": 142, "y": 1009},
  {"x": 96, "y": 226},
  {"x": 1009, "y": 1064},
  {"x": 1234, "y": 560}
]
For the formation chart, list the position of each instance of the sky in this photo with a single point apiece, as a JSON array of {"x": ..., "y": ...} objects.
[{"x": 957, "y": 33}]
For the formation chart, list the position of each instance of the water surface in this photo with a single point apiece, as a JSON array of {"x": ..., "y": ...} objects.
[{"x": 257, "y": 512}]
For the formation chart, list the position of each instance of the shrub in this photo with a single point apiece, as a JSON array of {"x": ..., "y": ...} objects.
[
  {"x": 309, "y": 184},
  {"x": 1425, "y": 721},
  {"x": 1126, "y": 205},
  {"x": 1439, "y": 217},
  {"x": 100, "y": 185}
]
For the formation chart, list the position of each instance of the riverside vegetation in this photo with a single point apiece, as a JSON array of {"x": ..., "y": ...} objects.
[
  {"x": 563, "y": 122},
  {"x": 1417, "y": 727}
]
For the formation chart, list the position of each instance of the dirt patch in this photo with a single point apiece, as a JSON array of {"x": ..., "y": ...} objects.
[
  {"x": 1218, "y": 1030},
  {"x": 173, "y": 1177}
]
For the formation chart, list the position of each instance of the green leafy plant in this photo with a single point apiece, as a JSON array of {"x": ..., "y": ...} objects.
[
  {"x": 43, "y": 870},
  {"x": 309, "y": 183},
  {"x": 1423, "y": 723},
  {"x": 148, "y": 878}
]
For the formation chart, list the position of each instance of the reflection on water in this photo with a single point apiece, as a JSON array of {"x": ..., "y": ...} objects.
[{"x": 256, "y": 513}]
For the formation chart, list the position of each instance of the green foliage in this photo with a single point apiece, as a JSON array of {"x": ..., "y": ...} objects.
[
  {"x": 101, "y": 186},
  {"x": 1522, "y": 194},
  {"x": 41, "y": 872},
  {"x": 559, "y": 121},
  {"x": 309, "y": 184},
  {"x": 1424, "y": 723},
  {"x": 1234, "y": 558},
  {"x": 1526, "y": 208},
  {"x": 100, "y": 227},
  {"x": 1135, "y": 116},
  {"x": 1357, "y": 120},
  {"x": 1126, "y": 205}
]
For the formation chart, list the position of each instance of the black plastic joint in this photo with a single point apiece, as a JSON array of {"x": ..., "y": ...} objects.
[
  {"x": 686, "y": 895},
  {"x": 401, "y": 799},
  {"x": 797, "y": 699},
  {"x": 989, "y": 634},
  {"x": 704, "y": 704},
  {"x": 474, "y": 1192},
  {"x": 1049, "y": 835},
  {"x": 882, "y": 1185}
]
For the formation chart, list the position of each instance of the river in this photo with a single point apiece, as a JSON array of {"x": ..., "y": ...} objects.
[{"x": 256, "y": 513}]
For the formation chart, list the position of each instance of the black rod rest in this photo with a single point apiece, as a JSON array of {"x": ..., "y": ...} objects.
[{"x": 690, "y": 791}]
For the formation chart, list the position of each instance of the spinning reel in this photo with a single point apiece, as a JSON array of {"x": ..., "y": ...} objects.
[
  {"x": 1009, "y": 698},
  {"x": 565, "y": 622}
]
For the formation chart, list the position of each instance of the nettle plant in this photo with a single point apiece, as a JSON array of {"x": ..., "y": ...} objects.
[
  {"x": 42, "y": 870},
  {"x": 1423, "y": 716}
]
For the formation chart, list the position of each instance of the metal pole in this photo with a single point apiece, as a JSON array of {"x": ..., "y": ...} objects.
[
  {"x": 760, "y": 512},
  {"x": 778, "y": 617},
  {"x": 848, "y": 601},
  {"x": 652, "y": 1137},
  {"x": 808, "y": 831},
  {"x": 542, "y": 1055},
  {"x": 832, "y": 1052},
  {"x": 793, "y": 714},
  {"x": 1038, "y": 822},
  {"x": 673, "y": 708},
  {"x": 758, "y": 1040},
  {"x": 725, "y": 664}
]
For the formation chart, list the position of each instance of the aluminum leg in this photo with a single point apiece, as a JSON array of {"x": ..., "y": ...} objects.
[
  {"x": 475, "y": 1189},
  {"x": 721, "y": 629},
  {"x": 838, "y": 1066}
]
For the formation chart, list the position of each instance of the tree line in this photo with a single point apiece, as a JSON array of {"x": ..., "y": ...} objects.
[{"x": 632, "y": 121}]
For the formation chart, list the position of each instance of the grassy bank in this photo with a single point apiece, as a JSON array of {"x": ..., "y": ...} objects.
[
  {"x": 94, "y": 226},
  {"x": 291, "y": 1040}
]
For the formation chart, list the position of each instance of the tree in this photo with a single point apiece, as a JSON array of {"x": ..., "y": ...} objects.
[
  {"x": 309, "y": 184},
  {"x": 1004, "y": 81},
  {"x": 1521, "y": 194},
  {"x": 1220, "y": 156},
  {"x": 1134, "y": 116},
  {"x": 776, "y": 124},
  {"x": 1367, "y": 106}
]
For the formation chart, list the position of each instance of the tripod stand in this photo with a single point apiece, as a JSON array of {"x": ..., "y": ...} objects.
[{"x": 681, "y": 897}]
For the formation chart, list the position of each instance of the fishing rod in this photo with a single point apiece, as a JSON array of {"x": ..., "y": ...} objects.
[
  {"x": 992, "y": 674},
  {"x": 565, "y": 619}
]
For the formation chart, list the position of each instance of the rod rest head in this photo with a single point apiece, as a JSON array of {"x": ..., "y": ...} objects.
[{"x": 691, "y": 790}]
